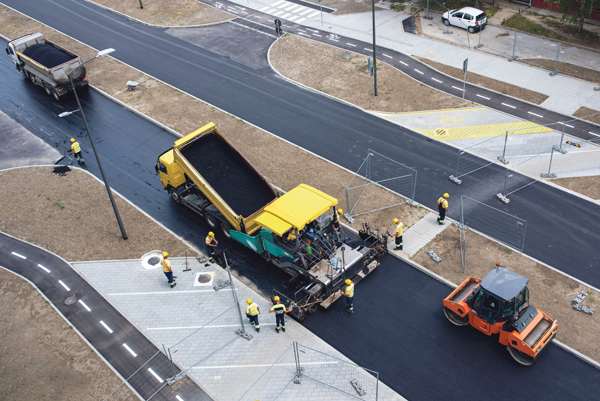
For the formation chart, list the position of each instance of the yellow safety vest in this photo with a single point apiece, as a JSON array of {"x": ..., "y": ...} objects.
[
  {"x": 166, "y": 264},
  {"x": 252, "y": 309},
  {"x": 278, "y": 309},
  {"x": 399, "y": 230},
  {"x": 75, "y": 147},
  {"x": 209, "y": 240},
  {"x": 443, "y": 202},
  {"x": 349, "y": 291}
]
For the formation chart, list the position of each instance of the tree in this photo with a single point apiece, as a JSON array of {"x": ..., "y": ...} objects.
[{"x": 575, "y": 11}]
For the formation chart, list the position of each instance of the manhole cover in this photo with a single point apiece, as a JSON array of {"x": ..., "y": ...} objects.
[
  {"x": 70, "y": 300},
  {"x": 204, "y": 278},
  {"x": 23, "y": 142},
  {"x": 154, "y": 260},
  {"x": 441, "y": 132}
]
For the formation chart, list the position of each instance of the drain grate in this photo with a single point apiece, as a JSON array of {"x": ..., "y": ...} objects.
[
  {"x": 204, "y": 278},
  {"x": 154, "y": 260}
]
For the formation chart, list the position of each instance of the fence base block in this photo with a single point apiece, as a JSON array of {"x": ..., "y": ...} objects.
[
  {"x": 503, "y": 198},
  {"x": 412, "y": 203},
  {"x": 222, "y": 285},
  {"x": 503, "y": 160},
  {"x": 176, "y": 378},
  {"x": 348, "y": 217},
  {"x": 455, "y": 180},
  {"x": 548, "y": 175},
  {"x": 243, "y": 334},
  {"x": 358, "y": 387},
  {"x": 559, "y": 149},
  {"x": 434, "y": 256}
]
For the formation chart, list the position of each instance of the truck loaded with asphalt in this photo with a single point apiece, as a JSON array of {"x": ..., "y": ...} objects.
[
  {"x": 293, "y": 230},
  {"x": 47, "y": 64}
]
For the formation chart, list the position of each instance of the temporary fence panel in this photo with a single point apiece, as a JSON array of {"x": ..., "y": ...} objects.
[
  {"x": 205, "y": 341},
  {"x": 470, "y": 160},
  {"x": 275, "y": 379},
  {"x": 343, "y": 376},
  {"x": 379, "y": 172},
  {"x": 149, "y": 379},
  {"x": 503, "y": 227}
]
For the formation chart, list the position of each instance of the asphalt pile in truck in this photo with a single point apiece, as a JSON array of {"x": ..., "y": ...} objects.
[
  {"x": 227, "y": 175},
  {"x": 47, "y": 55}
]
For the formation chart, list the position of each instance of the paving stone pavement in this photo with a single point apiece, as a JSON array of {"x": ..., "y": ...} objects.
[
  {"x": 421, "y": 233},
  {"x": 173, "y": 317}
]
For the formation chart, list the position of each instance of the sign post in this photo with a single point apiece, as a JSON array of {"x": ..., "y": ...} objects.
[
  {"x": 279, "y": 31},
  {"x": 321, "y": 5},
  {"x": 465, "y": 65}
]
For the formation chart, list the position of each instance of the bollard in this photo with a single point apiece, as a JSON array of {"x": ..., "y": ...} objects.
[
  {"x": 514, "y": 49},
  {"x": 553, "y": 73}
]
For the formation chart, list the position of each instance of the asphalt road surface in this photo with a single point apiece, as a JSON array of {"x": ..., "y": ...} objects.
[
  {"x": 101, "y": 324},
  {"x": 560, "y": 231}
]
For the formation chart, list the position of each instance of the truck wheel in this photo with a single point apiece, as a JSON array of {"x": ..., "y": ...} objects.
[
  {"x": 520, "y": 357},
  {"x": 32, "y": 78},
  {"x": 210, "y": 219},
  {"x": 25, "y": 74},
  {"x": 225, "y": 230},
  {"x": 48, "y": 90},
  {"x": 455, "y": 318},
  {"x": 56, "y": 95},
  {"x": 175, "y": 196}
]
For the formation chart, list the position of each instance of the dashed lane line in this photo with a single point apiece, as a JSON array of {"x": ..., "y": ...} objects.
[
  {"x": 422, "y": 73},
  {"x": 64, "y": 285},
  {"x": 537, "y": 115},
  {"x": 155, "y": 375},
  {"x": 130, "y": 350},
  {"x": 436, "y": 80},
  {"x": 44, "y": 269},
  {"x": 508, "y": 105},
  {"x": 19, "y": 255},
  {"x": 387, "y": 55},
  {"x": 483, "y": 97},
  {"x": 456, "y": 87},
  {"x": 84, "y": 305},
  {"x": 402, "y": 62},
  {"x": 179, "y": 398},
  {"x": 350, "y": 44},
  {"x": 106, "y": 327}
]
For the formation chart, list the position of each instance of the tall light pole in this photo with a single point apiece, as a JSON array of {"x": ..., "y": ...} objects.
[
  {"x": 101, "y": 53},
  {"x": 374, "y": 56}
]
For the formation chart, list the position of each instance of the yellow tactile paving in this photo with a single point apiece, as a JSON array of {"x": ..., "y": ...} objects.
[{"x": 482, "y": 131}]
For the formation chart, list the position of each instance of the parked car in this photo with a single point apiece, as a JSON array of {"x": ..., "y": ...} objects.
[{"x": 468, "y": 18}]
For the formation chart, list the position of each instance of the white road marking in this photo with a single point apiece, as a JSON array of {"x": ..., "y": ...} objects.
[
  {"x": 292, "y": 7},
  {"x": 312, "y": 30},
  {"x": 418, "y": 71},
  {"x": 437, "y": 80},
  {"x": 335, "y": 40},
  {"x": 305, "y": 12},
  {"x": 64, "y": 285},
  {"x": 264, "y": 8},
  {"x": 570, "y": 126},
  {"x": 270, "y": 11},
  {"x": 43, "y": 268},
  {"x": 387, "y": 55},
  {"x": 164, "y": 292},
  {"x": 283, "y": 5},
  {"x": 286, "y": 15},
  {"x": 300, "y": 20},
  {"x": 277, "y": 13},
  {"x": 369, "y": 50},
  {"x": 216, "y": 326},
  {"x": 106, "y": 327},
  {"x": 486, "y": 98},
  {"x": 537, "y": 115},
  {"x": 293, "y": 18},
  {"x": 313, "y": 14},
  {"x": 85, "y": 306},
  {"x": 456, "y": 87},
  {"x": 316, "y": 34},
  {"x": 262, "y": 365},
  {"x": 593, "y": 133},
  {"x": 21, "y": 256},
  {"x": 155, "y": 375},
  {"x": 278, "y": 3},
  {"x": 404, "y": 63},
  {"x": 302, "y": 33},
  {"x": 508, "y": 105},
  {"x": 179, "y": 398},
  {"x": 130, "y": 350},
  {"x": 350, "y": 44}
]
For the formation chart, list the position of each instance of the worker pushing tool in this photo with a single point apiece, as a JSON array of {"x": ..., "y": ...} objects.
[
  {"x": 211, "y": 245},
  {"x": 280, "y": 311},
  {"x": 442, "y": 207},
  {"x": 166, "y": 264},
  {"x": 398, "y": 233},
  {"x": 76, "y": 150},
  {"x": 252, "y": 313},
  {"x": 348, "y": 292}
]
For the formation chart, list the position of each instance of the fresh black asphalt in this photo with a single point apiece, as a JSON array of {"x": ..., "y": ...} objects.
[
  {"x": 560, "y": 228},
  {"x": 109, "y": 345},
  {"x": 398, "y": 328}
]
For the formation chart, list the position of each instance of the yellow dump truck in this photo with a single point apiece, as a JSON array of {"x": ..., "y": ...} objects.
[{"x": 294, "y": 231}]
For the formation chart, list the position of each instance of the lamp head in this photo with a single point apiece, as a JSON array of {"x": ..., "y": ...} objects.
[{"x": 104, "y": 52}]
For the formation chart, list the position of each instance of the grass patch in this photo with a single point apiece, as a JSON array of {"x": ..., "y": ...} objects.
[{"x": 521, "y": 23}]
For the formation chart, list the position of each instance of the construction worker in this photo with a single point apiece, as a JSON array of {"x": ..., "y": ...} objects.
[
  {"x": 398, "y": 234},
  {"x": 442, "y": 206},
  {"x": 166, "y": 264},
  {"x": 252, "y": 313},
  {"x": 280, "y": 312},
  {"x": 335, "y": 220},
  {"x": 211, "y": 245},
  {"x": 76, "y": 150},
  {"x": 348, "y": 292}
]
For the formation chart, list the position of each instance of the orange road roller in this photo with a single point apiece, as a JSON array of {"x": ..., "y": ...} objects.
[{"x": 500, "y": 304}]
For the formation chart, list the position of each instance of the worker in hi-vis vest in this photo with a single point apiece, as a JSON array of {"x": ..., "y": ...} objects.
[
  {"x": 76, "y": 150},
  {"x": 252, "y": 313},
  {"x": 442, "y": 206},
  {"x": 348, "y": 292},
  {"x": 398, "y": 234}
]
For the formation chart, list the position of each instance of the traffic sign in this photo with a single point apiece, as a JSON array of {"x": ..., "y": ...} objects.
[
  {"x": 278, "y": 30},
  {"x": 277, "y": 22},
  {"x": 465, "y": 64}
]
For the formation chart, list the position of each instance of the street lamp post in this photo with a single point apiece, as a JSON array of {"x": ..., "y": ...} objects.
[
  {"x": 101, "y": 53},
  {"x": 374, "y": 56}
]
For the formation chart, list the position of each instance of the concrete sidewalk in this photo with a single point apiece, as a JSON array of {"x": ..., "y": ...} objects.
[
  {"x": 566, "y": 94},
  {"x": 167, "y": 316}
]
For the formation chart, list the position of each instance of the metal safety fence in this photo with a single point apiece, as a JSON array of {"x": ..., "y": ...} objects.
[
  {"x": 305, "y": 366},
  {"x": 379, "y": 171},
  {"x": 505, "y": 228}
]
